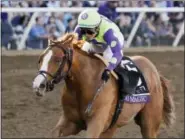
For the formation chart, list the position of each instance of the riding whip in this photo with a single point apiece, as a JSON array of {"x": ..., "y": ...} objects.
[{"x": 90, "y": 105}]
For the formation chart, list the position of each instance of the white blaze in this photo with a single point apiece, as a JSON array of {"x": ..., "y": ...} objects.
[
  {"x": 44, "y": 67},
  {"x": 45, "y": 62}
]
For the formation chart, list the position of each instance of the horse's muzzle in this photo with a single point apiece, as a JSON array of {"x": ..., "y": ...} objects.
[
  {"x": 43, "y": 88},
  {"x": 39, "y": 85},
  {"x": 39, "y": 91}
]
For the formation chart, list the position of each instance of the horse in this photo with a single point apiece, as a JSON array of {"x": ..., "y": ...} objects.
[{"x": 64, "y": 60}]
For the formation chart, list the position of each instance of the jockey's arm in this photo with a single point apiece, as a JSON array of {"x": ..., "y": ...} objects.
[{"x": 113, "y": 42}]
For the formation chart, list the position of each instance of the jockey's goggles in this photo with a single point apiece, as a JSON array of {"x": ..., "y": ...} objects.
[{"x": 89, "y": 31}]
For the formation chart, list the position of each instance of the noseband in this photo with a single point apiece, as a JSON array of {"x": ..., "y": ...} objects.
[{"x": 59, "y": 75}]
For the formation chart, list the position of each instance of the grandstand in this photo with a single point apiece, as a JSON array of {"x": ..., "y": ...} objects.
[{"x": 154, "y": 29}]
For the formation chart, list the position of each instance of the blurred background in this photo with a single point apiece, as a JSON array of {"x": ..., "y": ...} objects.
[{"x": 155, "y": 29}]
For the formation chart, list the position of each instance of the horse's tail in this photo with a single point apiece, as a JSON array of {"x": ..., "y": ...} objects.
[{"x": 168, "y": 106}]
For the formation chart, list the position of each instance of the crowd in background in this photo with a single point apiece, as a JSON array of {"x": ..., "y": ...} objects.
[{"x": 155, "y": 28}]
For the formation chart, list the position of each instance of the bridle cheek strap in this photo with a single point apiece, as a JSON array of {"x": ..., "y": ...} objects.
[{"x": 60, "y": 75}]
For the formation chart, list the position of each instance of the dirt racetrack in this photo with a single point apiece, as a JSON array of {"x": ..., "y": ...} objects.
[{"x": 26, "y": 116}]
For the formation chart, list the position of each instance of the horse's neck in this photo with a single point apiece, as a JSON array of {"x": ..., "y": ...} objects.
[{"x": 85, "y": 74}]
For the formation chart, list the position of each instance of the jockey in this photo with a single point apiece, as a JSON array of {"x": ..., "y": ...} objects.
[{"x": 101, "y": 36}]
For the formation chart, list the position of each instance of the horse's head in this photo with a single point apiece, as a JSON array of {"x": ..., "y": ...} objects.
[{"x": 54, "y": 64}]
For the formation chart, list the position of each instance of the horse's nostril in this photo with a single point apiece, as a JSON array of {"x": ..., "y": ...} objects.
[{"x": 42, "y": 86}]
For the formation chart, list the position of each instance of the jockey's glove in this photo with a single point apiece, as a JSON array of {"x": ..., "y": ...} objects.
[{"x": 105, "y": 75}]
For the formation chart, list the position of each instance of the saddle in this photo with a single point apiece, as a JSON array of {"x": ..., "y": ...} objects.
[
  {"x": 125, "y": 73},
  {"x": 132, "y": 85}
]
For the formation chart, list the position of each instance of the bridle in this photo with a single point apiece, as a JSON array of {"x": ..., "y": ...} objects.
[{"x": 59, "y": 75}]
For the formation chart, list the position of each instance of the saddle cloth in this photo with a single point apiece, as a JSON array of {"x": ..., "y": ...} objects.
[
  {"x": 132, "y": 72},
  {"x": 136, "y": 80}
]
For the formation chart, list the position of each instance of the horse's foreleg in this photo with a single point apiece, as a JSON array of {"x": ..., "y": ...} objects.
[
  {"x": 59, "y": 126},
  {"x": 109, "y": 133},
  {"x": 64, "y": 128},
  {"x": 70, "y": 129},
  {"x": 96, "y": 125},
  {"x": 95, "y": 128}
]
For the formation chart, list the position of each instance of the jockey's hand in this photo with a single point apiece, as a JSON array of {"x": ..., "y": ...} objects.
[{"x": 105, "y": 75}]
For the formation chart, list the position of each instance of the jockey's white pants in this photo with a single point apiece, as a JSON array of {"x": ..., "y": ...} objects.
[{"x": 107, "y": 53}]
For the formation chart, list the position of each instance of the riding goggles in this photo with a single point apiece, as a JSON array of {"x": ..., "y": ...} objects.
[{"x": 88, "y": 31}]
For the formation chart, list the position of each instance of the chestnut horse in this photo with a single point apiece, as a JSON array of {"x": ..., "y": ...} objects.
[{"x": 64, "y": 60}]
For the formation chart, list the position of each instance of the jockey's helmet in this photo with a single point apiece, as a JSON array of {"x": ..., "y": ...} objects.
[{"x": 89, "y": 19}]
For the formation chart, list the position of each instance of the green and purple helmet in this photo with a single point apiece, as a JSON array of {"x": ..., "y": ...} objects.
[{"x": 89, "y": 19}]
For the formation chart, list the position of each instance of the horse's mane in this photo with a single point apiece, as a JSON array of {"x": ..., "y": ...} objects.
[{"x": 69, "y": 40}]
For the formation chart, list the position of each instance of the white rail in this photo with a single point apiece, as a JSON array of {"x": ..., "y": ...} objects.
[
  {"x": 179, "y": 36},
  {"x": 27, "y": 30},
  {"x": 134, "y": 29},
  {"x": 76, "y": 10}
]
